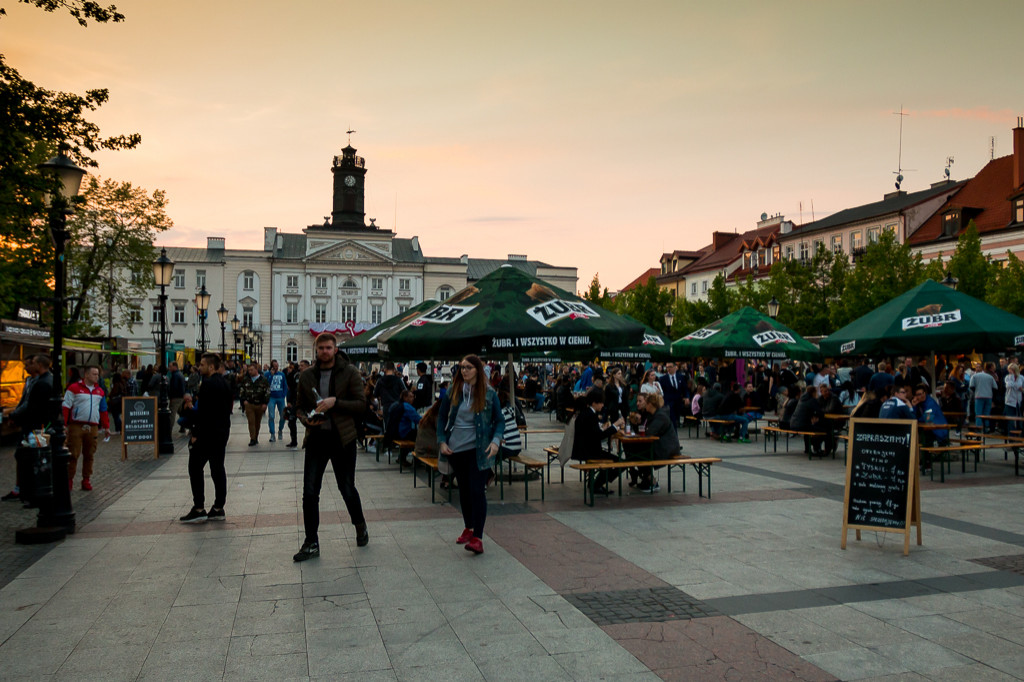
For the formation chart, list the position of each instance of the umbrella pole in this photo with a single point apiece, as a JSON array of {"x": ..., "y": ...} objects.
[
  {"x": 511, "y": 383},
  {"x": 931, "y": 361}
]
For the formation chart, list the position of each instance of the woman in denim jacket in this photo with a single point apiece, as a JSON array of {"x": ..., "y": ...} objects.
[{"x": 469, "y": 430}]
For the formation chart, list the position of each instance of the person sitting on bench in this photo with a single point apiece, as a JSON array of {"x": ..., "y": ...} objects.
[{"x": 589, "y": 434}]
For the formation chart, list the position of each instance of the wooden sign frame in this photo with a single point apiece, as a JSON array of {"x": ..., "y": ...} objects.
[
  {"x": 156, "y": 426},
  {"x": 913, "y": 501}
]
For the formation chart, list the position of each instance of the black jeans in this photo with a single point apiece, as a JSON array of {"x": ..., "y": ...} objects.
[
  {"x": 472, "y": 490},
  {"x": 292, "y": 429},
  {"x": 324, "y": 446},
  {"x": 208, "y": 449}
]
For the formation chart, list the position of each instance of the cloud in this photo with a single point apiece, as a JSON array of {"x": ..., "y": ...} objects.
[{"x": 974, "y": 114}]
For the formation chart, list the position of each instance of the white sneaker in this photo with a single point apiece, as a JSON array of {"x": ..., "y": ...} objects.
[{"x": 271, "y": 438}]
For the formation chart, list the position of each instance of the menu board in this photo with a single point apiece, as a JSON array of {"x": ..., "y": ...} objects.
[
  {"x": 138, "y": 422},
  {"x": 882, "y": 486}
]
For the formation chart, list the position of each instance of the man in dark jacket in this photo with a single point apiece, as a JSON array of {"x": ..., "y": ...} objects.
[
  {"x": 35, "y": 409},
  {"x": 674, "y": 388},
  {"x": 589, "y": 434},
  {"x": 330, "y": 398},
  {"x": 210, "y": 430},
  {"x": 808, "y": 417},
  {"x": 389, "y": 389},
  {"x": 731, "y": 408},
  {"x": 424, "y": 387},
  {"x": 175, "y": 390},
  {"x": 254, "y": 392},
  {"x": 291, "y": 377}
]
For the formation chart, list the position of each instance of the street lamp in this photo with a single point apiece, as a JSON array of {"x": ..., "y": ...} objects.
[
  {"x": 669, "y": 318},
  {"x": 163, "y": 270},
  {"x": 234, "y": 335},
  {"x": 202, "y": 305},
  {"x": 56, "y": 517},
  {"x": 222, "y": 316},
  {"x": 949, "y": 280},
  {"x": 773, "y": 308}
]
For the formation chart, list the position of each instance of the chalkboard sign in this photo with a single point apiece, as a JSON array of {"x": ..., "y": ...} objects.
[
  {"x": 882, "y": 480},
  {"x": 138, "y": 422}
]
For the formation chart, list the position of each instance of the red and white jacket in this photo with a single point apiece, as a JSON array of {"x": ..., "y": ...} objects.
[{"x": 83, "y": 405}]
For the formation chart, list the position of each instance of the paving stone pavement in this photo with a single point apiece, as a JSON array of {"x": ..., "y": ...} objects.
[{"x": 749, "y": 584}]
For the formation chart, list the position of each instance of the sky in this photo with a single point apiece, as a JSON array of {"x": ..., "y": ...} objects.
[{"x": 584, "y": 133}]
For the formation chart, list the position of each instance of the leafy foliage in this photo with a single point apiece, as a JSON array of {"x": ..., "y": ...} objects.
[
  {"x": 81, "y": 10},
  {"x": 595, "y": 294},
  {"x": 969, "y": 265},
  {"x": 1004, "y": 290},
  {"x": 647, "y": 303},
  {"x": 884, "y": 271}
]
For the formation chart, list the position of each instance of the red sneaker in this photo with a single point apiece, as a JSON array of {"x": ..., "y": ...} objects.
[
  {"x": 475, "y": 545},
  {"x": 464, "y": 538},
  {"x": 86, "y": 485}
]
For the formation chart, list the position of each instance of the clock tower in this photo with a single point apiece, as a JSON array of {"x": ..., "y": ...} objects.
[{"x": 349, "y": 175}]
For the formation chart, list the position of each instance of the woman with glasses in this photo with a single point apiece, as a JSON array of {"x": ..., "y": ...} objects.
[{"x": 469, "y": 430}]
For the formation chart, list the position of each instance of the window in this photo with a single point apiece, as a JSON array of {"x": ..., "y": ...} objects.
[
  {"x": 704, "y": 286},
  {"x": 403, "y": 309},
  {"x": 789, "y": 252},
  {"x": 873, "y": 233},
  {"x": 693, "y": 288},
  {"x": 293, "y": 282},
  {"x": 137, "y": 277},
  {"x": 200, "y": 279},
  {"x": 950, "y": 223},
  {"x": 179, "y": 313},
  {"x": 320, "y": 312},
  {"x": 291, "y": 315},
  {"x": 320, "y": 281},
  {"x": 377, "y": 283},
  {"x": 179, "y": 279},
  {"x": 803, "y": 251},
  {"x": 247, "y": 317},
  {"x": 837, "y": 243},
  {"x": 376, "y": 314},
  {"x": 135, "y": 315},
  {"x": 349, "y": 284},
  {"x": 856, "y": 240},
  {"x": 891, "y": 227},
  {"x": 291, "y": 352},
  {"x": 348, "y": 313},
  {"x": 819, "y": 245},
  {"x": 248, "y": 281},
  {"x": 1018, "y": 211},
  {"x": 403, "y": 285},
  {"x": 444, "y": 293},
  {"x": 753, "y": 260},
  {"x": 155, "y": 316}
]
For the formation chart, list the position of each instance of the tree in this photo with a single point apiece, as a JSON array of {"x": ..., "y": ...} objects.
[
  {"x": 38, "y": 123},
  {"x": 595, "y": 295},
  {"x": 885, "y": 270},
  {"x": 648, "y": 303},
  {"x": 969, "y": 265},
  {"x": 1005, "y": 289},
  {"x": 110, "y": 253},
  {"x": 721, "y": 299}
]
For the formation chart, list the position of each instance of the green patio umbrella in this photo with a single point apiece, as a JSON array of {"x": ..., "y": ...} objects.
[
  {"x": 509, "y": 313},
  {"x": 364, "y": 346},
  {"x": 655, "y": 346},
  {"x": 749, "y": 334},
  {"x": 927, "y": 319}
]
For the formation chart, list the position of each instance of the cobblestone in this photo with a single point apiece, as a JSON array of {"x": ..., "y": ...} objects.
[{"x": 647, "y": 605}]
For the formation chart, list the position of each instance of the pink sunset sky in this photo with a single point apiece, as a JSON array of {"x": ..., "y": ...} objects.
[{"x": 590, "y": 134}]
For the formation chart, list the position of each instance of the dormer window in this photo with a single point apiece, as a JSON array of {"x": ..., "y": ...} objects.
[
  {"x": 951, "y": 223},
  {"x": 1018, "y": 210}
]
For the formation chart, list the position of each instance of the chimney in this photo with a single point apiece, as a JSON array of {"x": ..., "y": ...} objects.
[
  {"x": 1018, "y": 153},
  {"x": 215, "y": 243},
  {"x": 269, "y": 237},
  {"x": 720, "y": 239},
  {"x": 416, "y": 244}
]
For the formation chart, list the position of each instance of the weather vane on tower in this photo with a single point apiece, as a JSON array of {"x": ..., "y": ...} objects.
[{"x": 349, "y": 133}]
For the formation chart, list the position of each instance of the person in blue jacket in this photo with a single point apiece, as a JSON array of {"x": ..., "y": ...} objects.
[{"x": 469, "y": 430}]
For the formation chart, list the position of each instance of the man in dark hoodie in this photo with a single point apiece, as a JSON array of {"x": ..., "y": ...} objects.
[{"x": 210, "y": 431}]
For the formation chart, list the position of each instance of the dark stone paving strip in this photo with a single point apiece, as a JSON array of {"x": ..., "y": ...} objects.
[
  {"x": 851, "y": 594},
  {"x": 834, "y": 491},
  {"x": 583, "y": 571},
  {"x": 1013, "y": 563}
]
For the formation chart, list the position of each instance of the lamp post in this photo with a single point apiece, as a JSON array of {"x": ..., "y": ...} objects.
[
  {"x": 222, "y": 316},
  {"x": 234, "y": 336},
  {"x": 56, "y": 517},
  {"x": 163, "y": 270},
  {"x": 245, "y": 342},
  {"x": 949, "y": 280},
  {"x": 202, "y": 305},
  {"x": 773, "y": 308}
]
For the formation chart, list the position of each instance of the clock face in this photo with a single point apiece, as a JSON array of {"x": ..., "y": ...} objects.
[{"x": 350, "y": 181}]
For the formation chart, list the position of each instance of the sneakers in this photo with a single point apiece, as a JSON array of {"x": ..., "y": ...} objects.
[
  {"x": 194, "y": 516},
  {"x": 293, "y": 444},
  {"x": 309, "y": 550},
  {"x": 253, "y": 442},
  {"x": 10, "y": 496},
  {"x": 475, "y": 545},
  {"x": 216, "y": 514},
  {"x": 742, "y": 440},
  {"x": 362, "y": 537},
  {"x": 466, "y": 536},
  {"x": 86, "y": 484},
  {"x": 649, "y": 487},
  {"x": 272, "y": 439}
]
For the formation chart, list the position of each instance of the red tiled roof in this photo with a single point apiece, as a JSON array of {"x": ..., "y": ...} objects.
[
  {"x": 987, "y": 193},
  {"x": 641, "y": 280},
  {"x": 729, "y": 251}
]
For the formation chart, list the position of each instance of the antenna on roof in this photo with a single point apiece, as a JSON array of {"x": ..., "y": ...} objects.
[
  {"x": 949, "y": 162},
  {"x": 812, "y": 210},
  {"x": 991, "y": 147},
  {"x": 899, "y": 161}
]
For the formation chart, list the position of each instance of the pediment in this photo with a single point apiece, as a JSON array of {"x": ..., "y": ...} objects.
[{"x": 346, "y": 251}]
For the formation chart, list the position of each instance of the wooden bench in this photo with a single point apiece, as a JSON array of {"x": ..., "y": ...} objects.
[
  {"x": 702, "y": 465},
  {"x": 943, "y": 452},
  {"x": 691, "y": 423},
  {"x": 431, "y": 464},
  {"x": 776, "y": 430},
  {"x": 526, "y": 431},
  {"x": 530, "y": 465},
  {"x": 727, "y": 423},
  {"x": 376, "y": 439}
]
